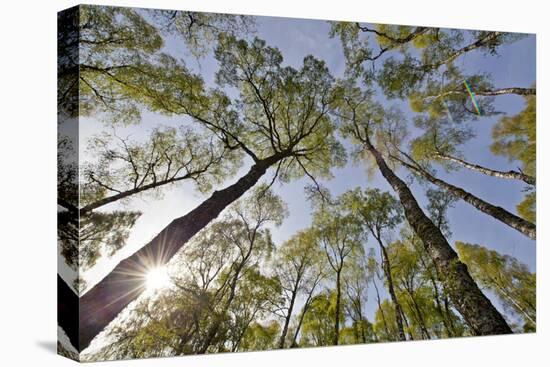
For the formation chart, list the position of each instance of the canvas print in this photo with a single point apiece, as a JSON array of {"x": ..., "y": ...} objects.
[{"x": 232, "y": 183}]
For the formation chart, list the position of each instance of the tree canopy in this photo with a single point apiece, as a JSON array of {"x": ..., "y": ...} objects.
[{"x": 378, "y": 255}]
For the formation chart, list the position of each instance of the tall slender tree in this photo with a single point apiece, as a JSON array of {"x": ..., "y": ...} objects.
[
  {"x": 250, "y": 238},
  {"x": 380, "y": 213},
  {"x": 440, "y": 144},
  {"x": 341, "y": 239},
  {"x": 361, "y": 121},
  {"x": 521, "y": 225},
  {"x": 299, "y": 264},
  {"x": 318, "y": 325},
  {"x": 297, "y": 140},
  {"x": 511, "y": 174},
  {"x": 216, "y": 290},
  {"x": 96, "y": 45},
  {"x": 124, "y": 169},
  {"x": 373, "y": 276},
  {"x": 509, "y": 279},
  {"x": 356, "y": 287}
]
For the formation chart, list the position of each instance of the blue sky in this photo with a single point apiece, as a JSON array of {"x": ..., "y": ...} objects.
[{"x": 297, "y": 38}]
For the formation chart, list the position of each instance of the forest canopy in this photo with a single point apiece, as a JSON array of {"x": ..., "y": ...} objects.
[{"x": 239, "y": 188}]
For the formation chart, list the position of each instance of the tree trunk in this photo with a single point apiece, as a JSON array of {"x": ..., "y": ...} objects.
[
  {"x": 380, "y": 307},
  {"x": 391, "y": 290},
  {"x": 411, "y": 336},
  {"x": 487, "y": 92},
  {"x": 446, "y": 316},
  {"x": 487, "y": 39},
  {"x": 511, "y": 90},
  {"x": 304, "y": 310},
  {"x": 125, "y": 194},
  {"x": 420, "y": 317},
  {"x": 361, "y": 323},
  {"x": 437, "y": 296},
  {"x": 531, "y": 316},
  {"x": 521, "y": 225},
  {"x": 512, "y": 175},
  {"x": 337, "y": 311},
  {"x": 472, "y": 304},
  {"x": 101, "y": 304},
  {"x": 215, "y": 326},
  {"x": 289, "y": 314},
  {"x": 294, "y": 343},
  {"x": 218, "y": 319},
  {"x": 446, "y": 323}
]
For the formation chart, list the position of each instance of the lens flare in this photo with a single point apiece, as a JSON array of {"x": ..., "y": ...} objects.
[{"x": 472, "y": 97}]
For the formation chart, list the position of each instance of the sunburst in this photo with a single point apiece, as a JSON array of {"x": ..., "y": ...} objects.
[{"x": 157, "y": 278}]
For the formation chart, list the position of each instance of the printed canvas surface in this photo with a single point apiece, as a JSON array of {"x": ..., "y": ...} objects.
[{"x": 232, "y": 183}]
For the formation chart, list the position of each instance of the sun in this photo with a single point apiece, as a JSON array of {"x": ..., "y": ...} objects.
[{"x": 157, "y": 278}]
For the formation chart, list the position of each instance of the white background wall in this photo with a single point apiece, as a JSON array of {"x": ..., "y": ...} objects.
[{"x": 28, "y": 181}]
